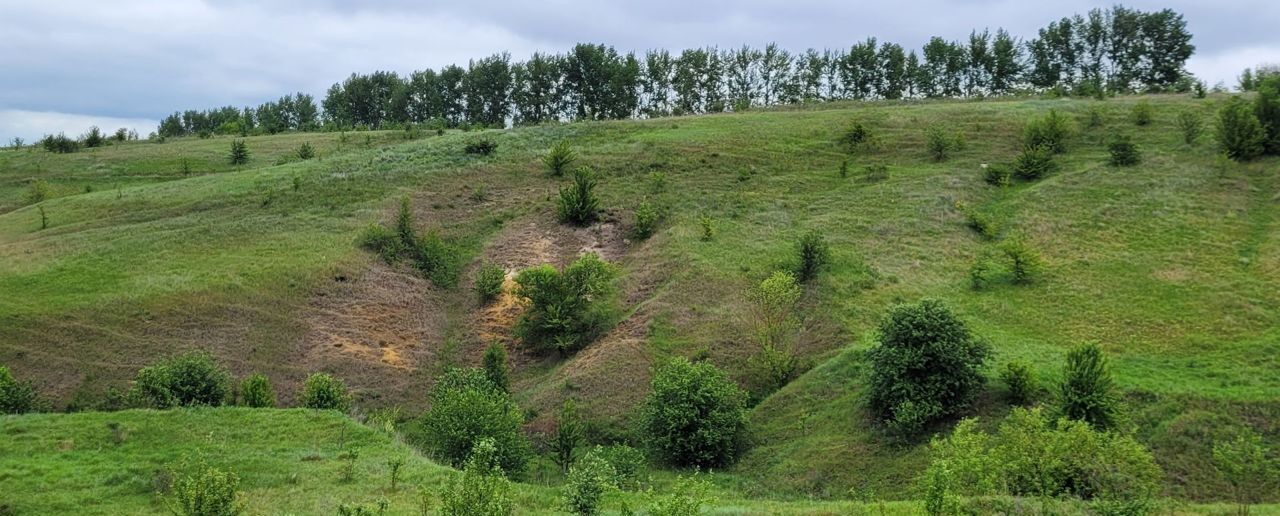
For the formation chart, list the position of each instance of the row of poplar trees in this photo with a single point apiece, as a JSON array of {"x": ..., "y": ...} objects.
[{"x": 1117, "y": 50}]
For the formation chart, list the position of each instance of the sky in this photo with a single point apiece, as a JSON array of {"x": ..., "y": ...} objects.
[{"x": 69, "y": 64}]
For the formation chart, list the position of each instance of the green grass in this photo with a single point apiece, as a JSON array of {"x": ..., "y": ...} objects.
[{"x": 1171, "y": 265}]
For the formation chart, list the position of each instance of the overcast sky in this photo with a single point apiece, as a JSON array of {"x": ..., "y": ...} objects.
[{"x": 68, "y": 64}]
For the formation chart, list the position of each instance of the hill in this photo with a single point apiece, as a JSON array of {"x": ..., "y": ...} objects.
[{"x": 1170, "y": 265}]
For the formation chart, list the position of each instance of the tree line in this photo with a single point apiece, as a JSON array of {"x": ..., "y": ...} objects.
[{"x": 1106, "y": 51}]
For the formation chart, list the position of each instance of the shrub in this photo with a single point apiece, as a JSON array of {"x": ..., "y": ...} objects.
[
  {"x": 980, "y": 272},
  {"x": 568, "y": 435},
  {"x": 708, "y": 227},
  {"x": 773, "y": 305},
  {"x": 1034, "y": 163},
  {"x": 1141, "y": 113},
  {"x": 382, "y": 240},
  {"x": 927, "y": 366},
  {"x": 489, "y": 281},
  {"x": 874, "y": 173},
  {"x": 481, "y": 489},
  {"x": 1024, "y": 261},
  {"x": 305, "y": 151},
  {"x": 587, "y": 483},
  {"x": 16, "y": 143},
  {"x": 646, "y": 221},
  {"x": 121, "y": 135},
  {"x": 239, "y": 152},
  {"x": 467, "y": 407},
  {"x": 206, "y": 492},
  {"x": 1266, "y": 107},
  {"x": 325, "y": 392},
  {"x": 15, "y": 397},
  {"x": 942, "y": 141},
  {"x": 1095, "y": 118},
  {"x": 1020, "y": 382},
  {"x": 1123, "y": 152},
  {"x": 1240, "y": 134},
  {"x": 1190, "y": 125},
  {"x": 1050, "y": 132},
  {"x": 813, "y": 254},
  {"x": 996, "y": 174},
  {"x": 94, "y": 138},
  {"x": 1031, "y": 455},
  {"x": 977, "y": 221},
  {"x": 566, "y": 310},
  {"x": 578, "y": 203},
  {"x": 59, "y": 144},
  {"x": 481, "y": 146},
  {"x": 256, "y": 392},
  {"x": 495, "y": 366},
  {"x": 38, "y": 191},
  {"x": 687, "y": 497},
  {"x": 438, "y": 260},
  {"x": 856, "y": 134},
  {"x": 1087, "y": 392},
  {"x": 1243, "y": 463},
  {"x": 694, "y": 415},
  {"x": 628, "y": 464},
  {"x": 182, "y": 381},
  {"x": 559, "y": 158}
]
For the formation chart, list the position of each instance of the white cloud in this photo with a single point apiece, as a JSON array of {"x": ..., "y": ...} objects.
[
  {"x": 1226, "y": 66},
  {"x": 31, "y": 125}
]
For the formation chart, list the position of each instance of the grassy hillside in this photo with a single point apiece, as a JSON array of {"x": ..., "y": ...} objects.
[{"x": 1172, "y": 265}]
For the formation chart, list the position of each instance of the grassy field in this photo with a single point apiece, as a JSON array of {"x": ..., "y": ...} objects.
[{"x": 1173, "y": 266}]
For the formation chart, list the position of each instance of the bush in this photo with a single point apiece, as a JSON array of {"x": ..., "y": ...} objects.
[
  {"x": 1031, "y": 455},
  {"x": 1050, "y": 132},
  {"x": 628, "y": 464},
  {"x": 1020, "y": 382},
  {"x": 566, "y": 310},
  {"x": 495, "y": 366},
  {"x": 568, "y": 435},
  {"x": 481, "y": 489},
  {"x": 322, "y": 391},
  {"x": 979, "y": 222},
  {"x": 1141, "y": 113},
  {"x": 1266, "y": 107},
  {"x": 578, "y": 203},
  {"x": 927, "y": 366},
  {"x": 694, "y": 415},
  {"x": 856, "y": 134},
  {"x": 94, "y": 138},
  {"x": 813, "y": 254},
  {"x": 587, "y": 483},
  {"x": 489, "y": 281},
  {"x": 239, "y": 152},
  {"x": 59, "y": 144},
  {"x": 996, "y": 174},
  {"x": 559, "y": 158},
  {"x": 183, "y": 381},
  {"x": 38, "y": 191},
  {"x": 438, "y": 260},
  {"x": 1024, "y": 262},
  {"x": 481, "y": 146},
  {"x": 1243, "y": 463},
  {"x": 467, "y": 407},
  {"x": 15, "y": 397},
  {"x": 305, "y": 151},
  {"x": 942, "y": 141},
  {"x": 1190, "y": 125},
  {"x": 686, "y": 498},
  {"x": 1240, "y": 134},
  {"x": 773, "y": 305},
  {"x": 1087, "y": 392},
  {"x": 1034, "y": 163},
  {"x": 256, "y": 392},
  {"x": 874, "y": 173},
  {"x": 646, "y": 221},
  {"x": 1123, "y": 152},
  {"x": 206, "y": 492},
  {"x": 382, "y": 240}
]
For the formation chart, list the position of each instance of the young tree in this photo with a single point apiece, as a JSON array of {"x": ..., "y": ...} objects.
[
  {"x": 568, "y": 436},
  {"x": 495, "y": 366},
  {"x": 466, "y": 407},
  {"x": 256, "y": 392},
  {"x": 566, "y": 310},
  {"x": 694, "y": 415},
  {"x": 15, "y": 397},
  {"x": 239, "y": 153},
  {"x": 1243, "y": 463},
  {"x": 1240, "y": 134},
  {"x": 1087, "y": 392},
  {"x": 322, "y": 391},
  {"x": 927, "y": 366},
  {"x": 578, "y": 203},
  {"x": 481, "y": 489}
]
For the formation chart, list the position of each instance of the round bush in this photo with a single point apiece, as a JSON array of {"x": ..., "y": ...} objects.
[
  {"x": 323, "y": 391},
  {"x": 183, "y": 381},
  {"x": 256, "y": 392},
  {"x": 1034, "y": 163},
  {"x": 15, "y": 397},
  {"x": 1123, "y": 152},
  {"x": 1087, "y": 392},
  {"x": 927, "y": 366},
  {"x": 694, "y": 415},
  {"x": 466, "y": 407}
]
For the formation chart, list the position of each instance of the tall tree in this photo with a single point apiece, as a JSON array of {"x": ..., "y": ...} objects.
[{"x": 659, "y": 70}]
